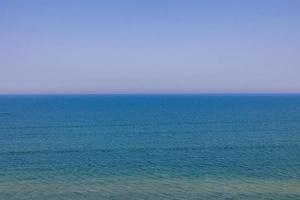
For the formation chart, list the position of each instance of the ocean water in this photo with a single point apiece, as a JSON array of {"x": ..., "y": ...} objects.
[{"x": 150, "y": 147}]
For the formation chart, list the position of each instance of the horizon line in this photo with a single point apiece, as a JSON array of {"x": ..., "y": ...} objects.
[{"x": 111, "y": 94}]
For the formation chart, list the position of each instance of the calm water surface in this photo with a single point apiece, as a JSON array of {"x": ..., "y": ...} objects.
[{"x": 150, "y": 147}]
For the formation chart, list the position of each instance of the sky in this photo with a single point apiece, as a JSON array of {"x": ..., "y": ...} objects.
[{"x": 165, "y": 46}]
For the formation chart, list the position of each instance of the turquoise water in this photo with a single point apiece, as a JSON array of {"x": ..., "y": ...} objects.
[{"x": 150, "y": 147}]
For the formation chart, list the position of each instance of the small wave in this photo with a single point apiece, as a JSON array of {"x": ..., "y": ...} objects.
[
  {"x": 154, "y": 149},
  {"x": 6, "y": 113},
  {"x": 146, "y": 124}
]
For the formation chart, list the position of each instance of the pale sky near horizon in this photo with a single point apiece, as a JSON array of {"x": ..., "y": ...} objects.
[{"x": 166, "y": 46}]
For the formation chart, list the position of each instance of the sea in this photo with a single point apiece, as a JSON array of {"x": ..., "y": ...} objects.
[{"x": 118, "y": 147}]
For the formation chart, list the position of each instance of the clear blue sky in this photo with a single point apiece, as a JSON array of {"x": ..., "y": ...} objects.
[{"x": 163, "y": 46}]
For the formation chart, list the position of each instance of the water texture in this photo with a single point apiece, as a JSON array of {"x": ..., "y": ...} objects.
[{"x": 150, "y": 147}]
